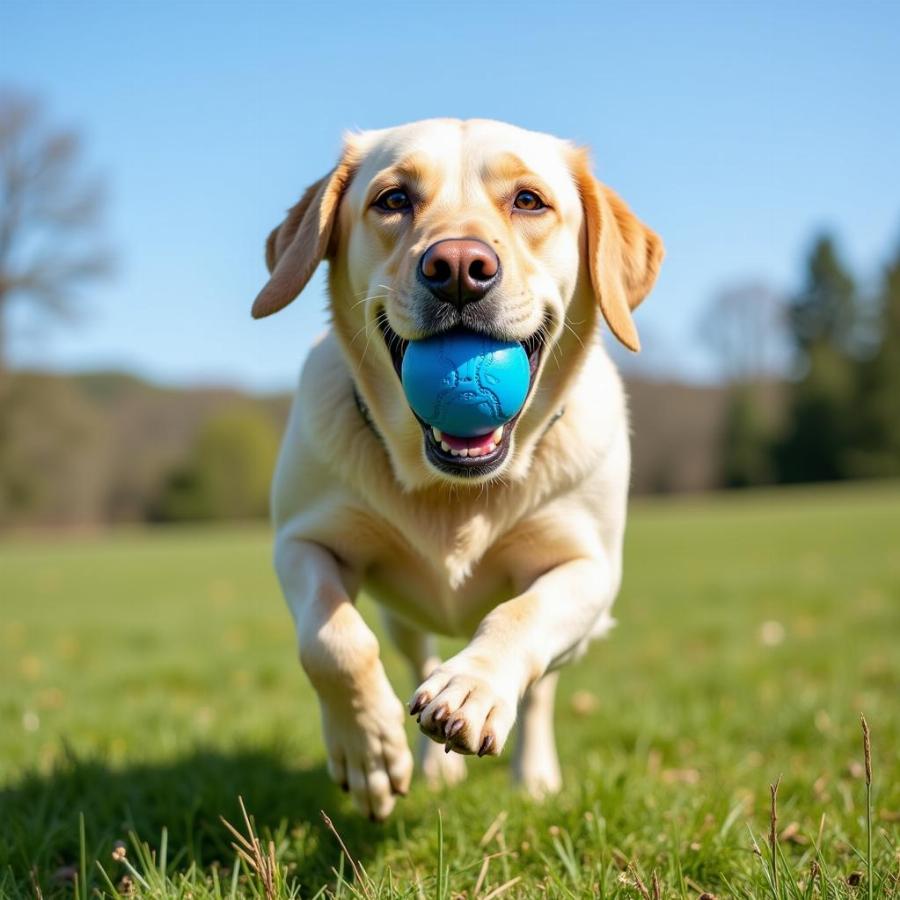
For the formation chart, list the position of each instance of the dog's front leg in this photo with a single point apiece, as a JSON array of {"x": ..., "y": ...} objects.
[
  {"x": 469, "y": 702},
  {"x": 362, "y": 719}
]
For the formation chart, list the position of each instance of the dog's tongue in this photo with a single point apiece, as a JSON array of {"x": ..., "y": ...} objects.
[{"x": 479, "y": 442}]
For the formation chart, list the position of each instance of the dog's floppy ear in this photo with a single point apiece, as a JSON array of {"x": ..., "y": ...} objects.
[
  {"x": 297, "y": 246},
  {"x": 624, "y": 255}
]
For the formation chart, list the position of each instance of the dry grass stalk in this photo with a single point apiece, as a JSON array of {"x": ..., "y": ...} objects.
[
  {"x": 773, "y": 832},
  {"x": 638, "y": 883},
  {"x": 657, "y": 892},
  {"x": 250, "y": 850},
  {"x": 867, "y": 753},
  {"x": 701, "y": 891},
  {"x": 503, "y": 888},
  {"x": 482, "y": 874},
  {"x": 361, "y": 878},
  {"x": 867, "y": 749},
  {"x": 493, "y": 828},
  {"x": 35, "y": 885},
  {"x": 821, "y": 831}
]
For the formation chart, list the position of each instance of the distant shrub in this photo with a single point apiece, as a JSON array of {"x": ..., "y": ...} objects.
[
  {"x": 227, "y": 473},
  {"x": 745, "y": 458},
  {"x": 54, "y": 453}
]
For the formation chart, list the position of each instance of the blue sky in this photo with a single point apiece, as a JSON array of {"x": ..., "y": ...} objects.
[{"x": 737, "y": 130}]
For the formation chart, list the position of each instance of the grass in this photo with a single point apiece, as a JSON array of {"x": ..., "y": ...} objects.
[{"x": 148, "y": 680}]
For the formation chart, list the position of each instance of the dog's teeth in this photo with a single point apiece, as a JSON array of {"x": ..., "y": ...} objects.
[
  {"x": 454, "y": 452},
  {"x": 497, "y": 436},
  {"x": 489, "y": 449},
  {"x": 464, "y": 451},
  {"x": 445, "y": 447},
  {"x": 475, "y": 451},
  {"x": 437, "y": 434}
]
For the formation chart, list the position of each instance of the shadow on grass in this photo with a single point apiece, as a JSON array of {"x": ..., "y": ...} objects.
[{"x": 39, "y": 814}]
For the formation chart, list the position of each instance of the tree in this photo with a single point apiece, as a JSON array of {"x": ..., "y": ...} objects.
[
  {"x": 744, "y": 327},
  {"x": 825, "y": 312},
  {"x": 228, "y": 471},
  {"x": 49, "y": 215},
  {"x": 824, "y": 319},
  {"x": 746, "y": 439},
  {"x": 877, "y": 431},
  {"x": 54, "y": 453}
]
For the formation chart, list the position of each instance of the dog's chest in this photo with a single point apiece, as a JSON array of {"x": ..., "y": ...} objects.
[{"x": 440, "y": 576}]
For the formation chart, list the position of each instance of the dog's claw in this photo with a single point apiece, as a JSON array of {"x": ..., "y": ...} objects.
[
  {"x": 469, "y": 712},
  {"x": 455, "y": 728},
  {"x": 418, "y": 704},
  {"x": 447, "y": 747},
  {"x": 486, "y": 745}
]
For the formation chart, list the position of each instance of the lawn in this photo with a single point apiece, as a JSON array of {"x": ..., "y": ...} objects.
[{"x": 148, "y": 679}]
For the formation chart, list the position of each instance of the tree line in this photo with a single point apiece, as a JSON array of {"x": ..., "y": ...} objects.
[
  {"x": 813, "y": 382},
  {"x": 61, "y": 460},
  {"x": 839, "y": 413}
]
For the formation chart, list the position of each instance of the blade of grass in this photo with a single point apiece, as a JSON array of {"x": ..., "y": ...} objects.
[
  {"x": 235, "y": 873},
  {"x": 441, "y": 885},
  {"x": 81, "y": 887},
  {"x": 867, "y": 753},
  {"x": 163, "y": 852},
  {"x": 773, "y": 833},
  {"x": 107, "y": 879}
]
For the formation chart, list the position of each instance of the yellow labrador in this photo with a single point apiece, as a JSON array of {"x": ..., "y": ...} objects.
[{"x": 514, "y": 541}]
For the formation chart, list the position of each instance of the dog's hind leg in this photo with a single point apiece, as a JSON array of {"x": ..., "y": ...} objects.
[
  {"x": 420, "y": 652},
  {"x": 535, "y": 764}
]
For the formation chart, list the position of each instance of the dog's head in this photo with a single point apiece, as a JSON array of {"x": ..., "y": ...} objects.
[{"x": 475, "y": 224}]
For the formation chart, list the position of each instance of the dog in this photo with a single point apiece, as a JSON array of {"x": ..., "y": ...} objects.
[{"x": 515, "y": 544}]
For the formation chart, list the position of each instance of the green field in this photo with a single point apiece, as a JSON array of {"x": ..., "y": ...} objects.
[{"x": 149, "y": 678}]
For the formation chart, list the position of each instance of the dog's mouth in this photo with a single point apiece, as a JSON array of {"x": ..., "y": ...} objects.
[{"x": 465, "y": 456}]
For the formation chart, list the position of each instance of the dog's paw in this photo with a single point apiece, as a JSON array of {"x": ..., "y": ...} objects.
[
  {"x": 467, "y": 710},
  {"x": 439, "y": 769},
  {"x": 368, "y": 754}
]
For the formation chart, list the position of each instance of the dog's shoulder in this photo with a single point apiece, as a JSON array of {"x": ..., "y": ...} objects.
[{"x": 326, "y": 438}]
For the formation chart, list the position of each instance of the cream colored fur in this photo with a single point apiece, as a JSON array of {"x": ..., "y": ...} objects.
[{"x": 525, "y": 563}]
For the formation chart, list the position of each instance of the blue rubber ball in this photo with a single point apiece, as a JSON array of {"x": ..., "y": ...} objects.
[{"x": 464, "y": 383}]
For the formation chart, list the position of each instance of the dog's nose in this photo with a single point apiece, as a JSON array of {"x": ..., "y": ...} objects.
[{"x": 459, "y": 270}]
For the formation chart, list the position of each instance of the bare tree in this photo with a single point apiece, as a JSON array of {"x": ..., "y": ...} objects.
[
  {"x": 49, "y": 213},
  {"x": 744, "y": 326}
]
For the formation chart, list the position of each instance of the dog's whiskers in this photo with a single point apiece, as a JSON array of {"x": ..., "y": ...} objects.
[
  {"x": 359, "y": 331},
  {"x": 368, "y": 298},
  {"x": 555, "y": 351},
  {"x": 573, "y": 332}
]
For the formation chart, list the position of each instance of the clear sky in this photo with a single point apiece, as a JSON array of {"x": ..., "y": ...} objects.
[{"x": 736, "y": 129}]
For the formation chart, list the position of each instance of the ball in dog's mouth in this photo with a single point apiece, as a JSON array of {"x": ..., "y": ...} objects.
[{"x": 465, "y": 456}]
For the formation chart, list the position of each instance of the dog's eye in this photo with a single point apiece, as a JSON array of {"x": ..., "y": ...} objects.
[
  {"x": 394, "y": 200},
  {"x": 528, "y": 201}
]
